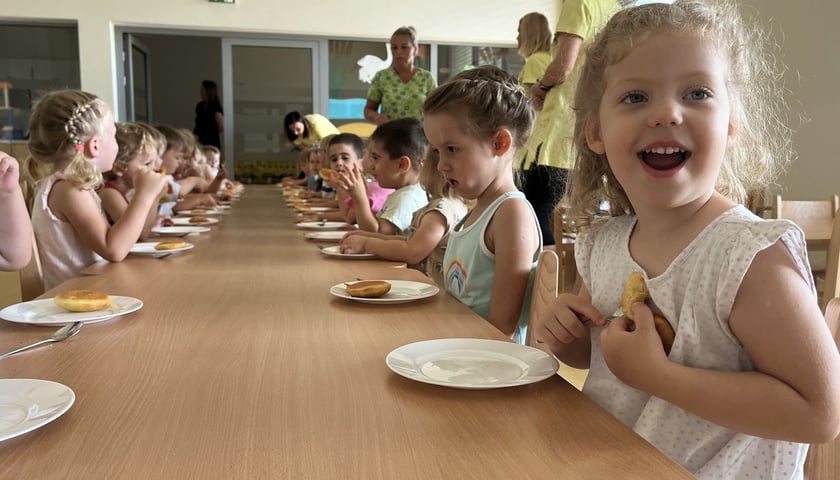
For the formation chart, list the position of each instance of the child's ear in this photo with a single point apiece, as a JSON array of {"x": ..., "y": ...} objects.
[
  {"x": 91, "y": 146},
  {"x": 502, "y": 141},
  {"x": 405, "y": 164},
  {"x": 593, "y": 136}
]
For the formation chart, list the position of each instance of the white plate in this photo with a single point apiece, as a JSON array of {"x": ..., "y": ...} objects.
[
  {"x": 317, "y": 209},
  {"x": 181, "y": 221},
  {"x": 335, "y": 251},
  {"x": 328, "y": 236},
  {"x": 471, "y": 363},
  {"x": 323, "y": 225},
  {"x": 198, "y": 212},
  {"x": 45, "y": 312},
  {"x": 148, "y": 248},
  {"x": 27, "y": 404},
  {"x": 180, "y": 231},
  {"x": 402, "y": 291}
]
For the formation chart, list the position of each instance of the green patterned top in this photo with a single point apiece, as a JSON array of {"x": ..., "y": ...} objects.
[{"x": 398, "y": 99}]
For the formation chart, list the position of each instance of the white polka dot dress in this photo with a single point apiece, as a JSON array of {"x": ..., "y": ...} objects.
[{"x": 695, "y": 294}]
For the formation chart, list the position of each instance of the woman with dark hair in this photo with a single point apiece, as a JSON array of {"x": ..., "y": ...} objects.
[
  {"x": 306, "y": 130},
  {"x": 209, "y": 120}
]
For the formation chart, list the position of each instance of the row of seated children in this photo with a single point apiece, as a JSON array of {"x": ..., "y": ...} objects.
[{"x": 73, "y": 139}]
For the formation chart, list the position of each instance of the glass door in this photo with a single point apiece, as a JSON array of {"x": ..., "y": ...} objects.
[
  {"x": 138, "y": 86},
  {"x": 263, "y": 80}
]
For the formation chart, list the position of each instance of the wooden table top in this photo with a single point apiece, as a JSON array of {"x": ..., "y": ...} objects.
[{"x": 242, "y": 365}]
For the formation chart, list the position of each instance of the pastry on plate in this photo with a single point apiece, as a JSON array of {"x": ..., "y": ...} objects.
[{"x": 82, "y": 300}]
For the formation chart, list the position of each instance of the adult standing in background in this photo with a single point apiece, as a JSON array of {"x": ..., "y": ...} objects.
[
  {"x": 209, "y": 120},
  {"x": 534, "y": 44},
  {"x": 307, "y": 130},
  {"x": 549, "y": 153},
  {"x": 401, "y": 88}
]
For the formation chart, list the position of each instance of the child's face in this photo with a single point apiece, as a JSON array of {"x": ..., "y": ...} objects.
[
  {"x": 314, "y": 162},
  {"x": 383, "y": 168},
  {"x": 342, "y": 157},
  {"x": 107, "y": 147},
  {"x": 213, "y": 159},
  {"x": 173, "y": 160},
  {"x": 469, "y": 165},
  {"x": 665, "y": 120},
  {"x": 142, "y": 160}
]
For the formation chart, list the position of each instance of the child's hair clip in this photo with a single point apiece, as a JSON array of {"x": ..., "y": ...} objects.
[{"x": 79, "y": 148}]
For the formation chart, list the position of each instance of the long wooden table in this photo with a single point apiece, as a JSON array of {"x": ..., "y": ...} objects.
[{"x": 241, "y": 365}]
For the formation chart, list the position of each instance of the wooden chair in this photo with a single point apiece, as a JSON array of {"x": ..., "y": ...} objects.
[
  {"x": 823, "y": 461},
  {"x": 544, "y": 291},
  {"x": 831, "y": 276},
  {"x": 564, "y": 238},
  {"x": 795, "y": 209}
]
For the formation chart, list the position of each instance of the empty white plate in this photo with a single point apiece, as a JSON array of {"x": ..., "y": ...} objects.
[
  {"x": 471, "y": 363},
  {"x": 27, "y": 404}
]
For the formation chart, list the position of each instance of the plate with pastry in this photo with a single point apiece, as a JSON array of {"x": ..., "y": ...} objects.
[
  {"x": 198, "y": 220},
  {"x": 324, "y": 225},
  {"x": 201, "y": 211},
  {"x": 28, "y": 403},
  {"x": 88, "y": 306},
  {"x": 180, "y": 231},
  {"x": 384, "y": 291},
  {"x": 471, "y": 363},
  {"x": 328, "y": 236},
  {"x": 160, "y": 249},
  {"x": 335, "y": 251}
]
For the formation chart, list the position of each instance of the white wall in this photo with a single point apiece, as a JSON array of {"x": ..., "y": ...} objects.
[
  {"x": 803, "y": 28},
  {"x": 436, "y": 20}
]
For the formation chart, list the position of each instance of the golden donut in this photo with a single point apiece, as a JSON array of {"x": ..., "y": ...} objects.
[
  {"x": 199, "y": 210},
  {"x": 327, "y": 173},
  {"x": 82, "y": 300},
  {"x": 170, "y": 245},
  {"x": 635, "y": 290},
  {"x": 199, "y": 220},
  {"x": 368, "y": 288}
]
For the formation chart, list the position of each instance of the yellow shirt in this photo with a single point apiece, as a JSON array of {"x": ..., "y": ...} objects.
[
  {"x": 534, "y": 68},
  {"x": 319, "y": 127},
  {"x": 555, "y": 123}
]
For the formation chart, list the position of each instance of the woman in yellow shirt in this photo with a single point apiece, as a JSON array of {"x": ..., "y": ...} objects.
[
  {"x": 534, "y": 43},
  {"x": 307, "y": 130}
]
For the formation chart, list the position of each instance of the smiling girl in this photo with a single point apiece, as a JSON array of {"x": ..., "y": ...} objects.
[{"x": 674, "y": 126}]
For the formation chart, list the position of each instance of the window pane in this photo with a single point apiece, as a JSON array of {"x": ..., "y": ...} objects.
[
  {"x": 453, "y": 59},
  {"x": 35, "y": 59}
]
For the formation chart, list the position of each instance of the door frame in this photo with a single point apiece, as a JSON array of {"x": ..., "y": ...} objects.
[
  {"x": 320, "y": 90},
  {"x": 129, "y": 43}
]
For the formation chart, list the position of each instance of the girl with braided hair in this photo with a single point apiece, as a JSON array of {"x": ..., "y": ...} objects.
[
  {"x": 71, "y": 142},
  {"x": 476, "y": 121}
]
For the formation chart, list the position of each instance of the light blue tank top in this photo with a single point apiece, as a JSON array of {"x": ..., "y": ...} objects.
[{"x": 469, "y": 266}]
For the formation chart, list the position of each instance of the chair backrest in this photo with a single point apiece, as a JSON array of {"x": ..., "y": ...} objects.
[
  {"x": 823, "y": 461},
  {"x": 794, "y": 209},
  {"x": 546, "y": 282},
  {"x": 31, "y": 276},
  {"x": 831, "y": 284}
]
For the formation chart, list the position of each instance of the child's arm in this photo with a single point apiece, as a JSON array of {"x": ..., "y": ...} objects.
[
  {"x": 218, "y": 182},
  {"x": 794, "y": 393},
  {"x": 189, "y": 184},
  {"x": 76, "y": 207},
  {"x": 413, "y": 250},
  {"x": 195, "y": 200},
  {"x": 512, "y": 236},
  {"x": 353, "y": 182},
  {"x": 562, "y": 329},
  {"x": 15, "y": 229}
]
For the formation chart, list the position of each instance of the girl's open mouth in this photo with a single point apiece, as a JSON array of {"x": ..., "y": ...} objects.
[{"x": 664, "y": 158}]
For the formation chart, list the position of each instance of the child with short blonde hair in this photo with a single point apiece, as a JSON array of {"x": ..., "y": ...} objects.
[
  {"x": 476, "y": 121},
  {"x": 72, "y": 140},
  {"x": 677, "y": 115}
]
